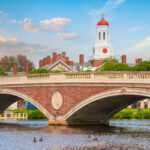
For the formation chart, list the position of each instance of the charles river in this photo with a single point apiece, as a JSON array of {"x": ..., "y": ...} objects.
[{"x": 120, "y": 135}]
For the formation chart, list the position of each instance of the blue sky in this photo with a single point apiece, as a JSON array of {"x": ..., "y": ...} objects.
[{"x": 36, "y": 28}]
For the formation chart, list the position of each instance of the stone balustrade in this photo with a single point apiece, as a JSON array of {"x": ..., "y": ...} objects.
[
  {"x": 11, "y": 115},
  {"x": 94, "y": 77}
]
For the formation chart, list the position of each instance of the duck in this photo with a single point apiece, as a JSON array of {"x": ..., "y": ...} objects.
[
  {"x": 34, "y": 140},
  {"x": 95, "y": 139},
  {"x": 89, "y": 136},
  {"x": 41, "y": 139}
]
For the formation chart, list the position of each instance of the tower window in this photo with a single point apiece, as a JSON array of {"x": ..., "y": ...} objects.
[
  {"x": 104, "y": 36},
  {"x": 99, "y": 35}
]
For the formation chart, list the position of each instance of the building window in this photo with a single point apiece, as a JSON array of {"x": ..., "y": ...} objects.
[
  {"x": 104, "y": 36},
  {"x": 99, "y": 35}
]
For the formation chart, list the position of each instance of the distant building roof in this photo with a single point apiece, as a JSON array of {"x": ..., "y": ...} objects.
[{"x": 49, "y": 67}]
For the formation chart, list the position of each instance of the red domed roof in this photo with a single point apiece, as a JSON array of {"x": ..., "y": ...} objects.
[{"x": 103, "y": 22}]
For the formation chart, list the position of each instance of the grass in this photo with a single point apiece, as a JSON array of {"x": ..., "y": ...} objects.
[
  {"x": 132, "y": 114},
  {"x": 32, "y": 114}
]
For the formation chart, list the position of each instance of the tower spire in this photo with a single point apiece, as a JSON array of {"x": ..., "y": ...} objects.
[{"x": 102, "y": 13}]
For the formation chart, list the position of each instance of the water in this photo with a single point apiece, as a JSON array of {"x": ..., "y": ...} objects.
[{"x": 120, "y": 135}]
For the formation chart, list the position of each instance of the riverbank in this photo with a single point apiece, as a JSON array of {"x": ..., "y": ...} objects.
[
  {"x": 132, "y": 114},
  {"x": 32, "y": 114},
  {"x": 123, "y": 114}
]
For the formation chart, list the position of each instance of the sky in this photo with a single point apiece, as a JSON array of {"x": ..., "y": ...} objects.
[{"x": 37, "y": 28}]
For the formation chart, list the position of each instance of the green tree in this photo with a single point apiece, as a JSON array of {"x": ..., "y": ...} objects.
[
  {"x": 110, "y": 59},
  {"x": 2, "y": 72},
  {"x": 115, "y": 67},
  {"x": 7, "y": 62},
  {"x": 87, "y": 71},
  {"x": 40, "y": 70},
  {"x": 22, "y": 60},
  {"x": 143, "y": 66}
]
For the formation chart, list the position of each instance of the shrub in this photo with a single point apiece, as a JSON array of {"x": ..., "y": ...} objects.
[
  {"x": 3, "y": 73},
  {"x": 87, "y": 71},
  {"x": 132, "y": 114},
  {"x": 35, "y": 71},
  {"x": 32, "y": 114}
]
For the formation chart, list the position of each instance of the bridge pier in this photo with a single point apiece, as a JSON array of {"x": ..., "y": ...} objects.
[{"x": 87, "y": 123}]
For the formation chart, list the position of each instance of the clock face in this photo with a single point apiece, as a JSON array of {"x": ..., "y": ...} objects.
[{"x": 105, "y": 50}]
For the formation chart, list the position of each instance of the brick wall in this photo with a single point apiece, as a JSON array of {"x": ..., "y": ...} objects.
[
  {"x": 97, "y": 63},
  {"x": 71, "y": 95},
  {"x": 81, "y": 59},
  {"x": 138, "y": 61},
  {"x": 48, "y": 60},
  {"x": 124, "y": 59}
]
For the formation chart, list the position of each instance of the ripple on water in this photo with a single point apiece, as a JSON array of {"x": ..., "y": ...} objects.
[{"x": 64, "y": 138}]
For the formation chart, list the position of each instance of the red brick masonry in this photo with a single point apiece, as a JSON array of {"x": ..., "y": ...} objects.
[{"x": 71, "y": 95}]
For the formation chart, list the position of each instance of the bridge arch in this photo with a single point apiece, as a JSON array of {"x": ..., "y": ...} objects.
[
  {"x": 106, "y": 104},
  {"x": 16, "y": 95}
]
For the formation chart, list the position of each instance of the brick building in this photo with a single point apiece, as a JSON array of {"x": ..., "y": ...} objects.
[
  {"x": 57, "y": 62},
  {"x": 101, "y": 51}
]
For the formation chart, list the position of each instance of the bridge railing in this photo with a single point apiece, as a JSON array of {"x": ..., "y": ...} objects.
[
  {"x": 96, "y": 77},
  {"x": 78, "y": 75},
  {"x": 111, "y": 75}
]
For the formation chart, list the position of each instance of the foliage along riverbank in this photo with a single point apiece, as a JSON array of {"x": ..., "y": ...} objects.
[
  {"x": 123, "y": 114},
  {"x": 32, "y": 114},
  {"x": 132, "y": 114}
]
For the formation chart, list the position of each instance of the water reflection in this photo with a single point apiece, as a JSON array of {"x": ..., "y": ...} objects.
[{"x": 121, "y": 134}]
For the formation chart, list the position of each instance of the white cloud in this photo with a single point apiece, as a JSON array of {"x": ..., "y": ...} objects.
[
  {"x": 2, "y": 39},
  {"x": 31, "y": 27},
  {"x": 26, "y": 20},
  {"x": 118, "y": 2},
  {"x": 94, "y": 12},
  {"x": 5, "y": 15},
  {"x": 66, "y": 36},
  {"x": 134, "y": 29},
  {"x": 112, "y": 4},
  {"x": 142, "y": 49},
  {"x": 27, "y": 25},
  {"x": 108, "y": 6},
  {"x": 15, "y": 40},
  {"x": 55, "y": 24},
  {"x": 14, "y": 46},
  {"x": 13, "y": 21}
]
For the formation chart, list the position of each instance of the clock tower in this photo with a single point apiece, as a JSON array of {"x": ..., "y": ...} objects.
[{"x": 102, "y": 48}]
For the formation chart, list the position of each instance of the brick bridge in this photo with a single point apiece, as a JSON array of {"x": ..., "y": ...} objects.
[{"x": 76, "y": 98}]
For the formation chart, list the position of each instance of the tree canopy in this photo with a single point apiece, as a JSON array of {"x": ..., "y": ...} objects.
[
  {"x": 41, "y": 70},
  {"x": 7, "y": 62},
  {"x": 111, "y": 59},
  {"x": 2, "y": 72},
  {"x": 143, "y": 66}
]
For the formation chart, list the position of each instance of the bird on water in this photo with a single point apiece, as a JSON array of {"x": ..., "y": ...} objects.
[
  {"x": 41, "y": 139},
  {"x": 34, "y": 140}
]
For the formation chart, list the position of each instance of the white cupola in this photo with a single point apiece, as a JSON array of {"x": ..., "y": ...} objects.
[{"x": 103, "y": 48}]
